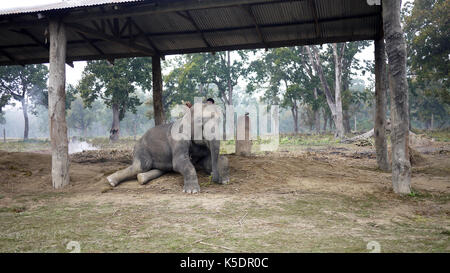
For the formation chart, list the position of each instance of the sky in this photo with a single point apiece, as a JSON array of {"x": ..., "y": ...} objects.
[{"x": 73, "y": 75}]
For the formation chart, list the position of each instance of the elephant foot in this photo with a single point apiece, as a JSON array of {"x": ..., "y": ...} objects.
[
  {"x": 191, "y": 188},
  {"x": 112, "y": 181}
]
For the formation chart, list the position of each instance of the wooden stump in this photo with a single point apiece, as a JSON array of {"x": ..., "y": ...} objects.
[{"x": 243, "y": 141}]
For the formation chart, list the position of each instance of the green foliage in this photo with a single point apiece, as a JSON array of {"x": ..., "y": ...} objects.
[
  {"x": 21, "y": 82},
  {"x": 115, "y": 84},
  {"x": 80, "y": 117},
  {"x": 427, "y": 28}
]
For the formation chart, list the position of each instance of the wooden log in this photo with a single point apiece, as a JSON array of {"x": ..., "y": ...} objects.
[
  {"x": 366, "y": 135},
  {"x": 243, "y": 138},
  {"x": 56, "y": 104},
  {"x": 398, "y": 87},
  {"x": 157, "y": 90},
  {"x": 380, "y": 106}
]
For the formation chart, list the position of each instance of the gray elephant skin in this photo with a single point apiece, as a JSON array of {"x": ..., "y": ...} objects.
[{"x": 158, "y": 152}]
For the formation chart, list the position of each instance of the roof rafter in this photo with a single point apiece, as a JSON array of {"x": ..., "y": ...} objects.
[
  {"x": 146, "y": 37},
  {"x": 249, "y": 12},
  {"x": 188, "y": 17},
  {"x": 133, "y": 46},
  {"x": 37, "y": 41},
  {"x": 312, "y": 4},
  {"x": 10, "y": 57}
]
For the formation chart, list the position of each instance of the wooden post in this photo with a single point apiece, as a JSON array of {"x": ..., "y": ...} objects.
[
  {"x": 157, "y": 90},
  {"x": 243, "y": 138},
  {"x": 56, "y": 104},
  {"x": 398, "y": 88},
  {"x": 380, "y": 105}
]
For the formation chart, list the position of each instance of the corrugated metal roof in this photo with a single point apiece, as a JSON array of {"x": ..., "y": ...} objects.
[
  {"x": 98, "y": 30},
  {"x": 64, "y": 4}
]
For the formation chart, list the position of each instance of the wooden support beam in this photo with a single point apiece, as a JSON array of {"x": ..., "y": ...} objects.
[
  {"x": 249, "y": 12},
  {"x": 133, "y": 46},
  {"x": 37, "y": 41},
  {"x": 380, "y": 106},
  {"x": 93, "y": 46},
  {"x": 10, "y": 57},
  {"x": 157, "y": 90},
  {"x": 398, "y": 88},
  {"x": 116, "y": 27},
  {"x": 57, "y": 104},
  {"x": 312, "y": 4},
  {"x": 146, "y": 37},
  {"x": 124, "y": 27},
  {"x": 32, "y": 37},
  {"x": 188, "y": 17}
]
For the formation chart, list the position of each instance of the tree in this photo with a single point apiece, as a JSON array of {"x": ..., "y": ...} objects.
[
  {"x": 116, "y": 86},
  {"x": 80, "y": 117},
  {"x": 336, "y": 113},
  {"x": 340, "y": 60},
  {"x": 284, "y": 68},
  {"x": 427, "y": 28},
  {"x": 138, "y": 123},
  {"x": 25, "y": 84}
]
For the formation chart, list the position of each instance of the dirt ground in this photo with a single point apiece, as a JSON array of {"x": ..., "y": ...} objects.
[{"x": 329, "y": 198}]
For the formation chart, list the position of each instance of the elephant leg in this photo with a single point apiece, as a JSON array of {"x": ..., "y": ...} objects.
[
  {"x": 183, "y": 165},
  {"x": 127, "y": 173},
  {"x": 143, "y": 178},
  {"x": 222, "y": 167},
  {"x": 204, "y": 164}
]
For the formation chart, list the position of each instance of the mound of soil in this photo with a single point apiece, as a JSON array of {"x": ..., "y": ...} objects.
[{"x": 96, "y": 156}]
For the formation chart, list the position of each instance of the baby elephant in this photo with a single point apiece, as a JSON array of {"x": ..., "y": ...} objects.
[{"x": 158, "y": 152}]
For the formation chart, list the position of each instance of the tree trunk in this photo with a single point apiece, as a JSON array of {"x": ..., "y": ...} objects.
[
  {"x": 325, "y": 120},
  {"x": 295, "y": 118},
  {"x": 25, "y": 117},
  {"x": 230, "y": 86},
  {"x": 346, "y": 121},
  {"x": 4, "y": 135},
  {"x": 314, "y": 59},
  {"x": 134, "y": 128},
  {"x": 56, "y": 104},
  {"x": 316, "y": 114},
  {"x": 228, "y": 98},
  {"x": 338, "y": 90},
  {"x": 432, "y": 121},
  {"x": 115, "y": 126},
  {"x": 380, "y": 105},
  {"x": 398, "y": 87},
  {"x": 157, "y": 91},
  {"x": 366, "y": 135},
  {"x": 330, "y": 124}
]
